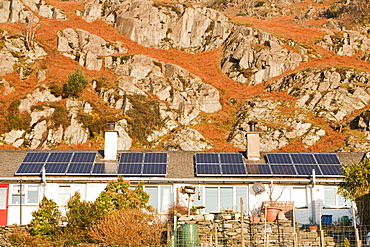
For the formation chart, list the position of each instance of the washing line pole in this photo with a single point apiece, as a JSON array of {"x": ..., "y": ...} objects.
[{"x": 358, "y": 243}]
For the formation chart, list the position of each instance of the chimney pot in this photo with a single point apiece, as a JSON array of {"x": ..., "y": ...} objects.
[
  {"x": 111, "y": 125},
  {"x": 252, "y": 125}
]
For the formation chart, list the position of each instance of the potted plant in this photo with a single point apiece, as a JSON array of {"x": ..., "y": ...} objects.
[
  {"x": 254, "y": 214},
  {"x": 270, "y": 207}
]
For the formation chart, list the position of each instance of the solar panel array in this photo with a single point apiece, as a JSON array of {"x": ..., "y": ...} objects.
[
  {"x": 278, "y": 164},
  {"x": 142, "y": 164},
  {"x": 219, "y": 164},
  {"x": 83, "y": 163}
]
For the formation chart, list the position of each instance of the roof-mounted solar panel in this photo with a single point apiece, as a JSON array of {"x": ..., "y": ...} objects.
[
  {"x": 36, "y": 157},
  {"x": 206, "y": 158},
  {"x": 130, "y": 169},
  {"x": 79, "y": 169},
  {"x": 331, "y": 170},
  {"x": 233, "y": 170},
  {"x": 302, "y": 158},
  {"x": 59, "y": 157},
  {"x": 327, "y": 159},
  {"x": 154, "y": 169},
  {"x": 155, "y": 158},
  {"x": 131, "y": 158},
  {"x": 30, "y": 168},
  {"x": 283, "y": 170},
  {"x": 279, "y": 158},
  {"x": 258, "y": 169},
  {"x": 56, "y": 168},
  {"x": 85, "y": 157},
  {"x": 306, "y": 170},
  {"x": 231, "y": 158},
  {"x": 208, "y": 169},
  {"x": 103, "y": 169}
]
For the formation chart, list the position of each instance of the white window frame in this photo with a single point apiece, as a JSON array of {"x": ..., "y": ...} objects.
[
  {"x": 160, "y": 206},
  {"x": 68, "y": 193},
  {"x": 219, "y": 207},
  {"x": 26, "y": 189},
  {"x": 338, "y": 198}
]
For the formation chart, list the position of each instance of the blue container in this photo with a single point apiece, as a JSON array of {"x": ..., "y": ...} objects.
[{"x": 327, "y": 219}]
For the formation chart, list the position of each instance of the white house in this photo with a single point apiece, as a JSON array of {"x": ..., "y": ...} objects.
[{"x": 219, "y": 179}]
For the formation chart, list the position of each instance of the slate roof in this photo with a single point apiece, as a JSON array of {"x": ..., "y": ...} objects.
[{"x": 180, "y": 166}]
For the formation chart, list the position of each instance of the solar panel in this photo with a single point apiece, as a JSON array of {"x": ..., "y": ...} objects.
[
  {"x": 303, "y": 158},
  {"x": 206, "y": 158},
  {"x": 84, "y": 157},
  {"x": 208, "y": 169},
  {"x": 30, "y": 168},
  {"x": 231, "y": 158},
  {"x": 131, "y": 158},
  {"x": 154, "y": 169},
  {"x": 98, "y": 169},
  {"x": 59, "y": 157},
  {"x": 233, "y": 169},
  {"x": 80, "y": 168},
  {"x": 36, "y": 157},
  {"x": 56, "y": 168},
  {"x": 155, "y": 158},
  {"x": 283, "y": 169},
  {"x": 258, "y": 169},
  {"x": 275, "y": 158},
  {"x": 307, "y": 169},
  {"x": 129, "y": 169},
  {"x": 335, "y": 170},
  {"x": 327, "y": 159}
]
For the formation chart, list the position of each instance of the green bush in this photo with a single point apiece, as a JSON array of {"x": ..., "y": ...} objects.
[
  {"x": 45, "y": 220},
  {"x": 56, "y": 89},
  {"x": 76, "y": 82}
]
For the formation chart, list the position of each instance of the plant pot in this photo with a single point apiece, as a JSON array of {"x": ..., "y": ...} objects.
[
  {"x": 313, "y": 228},
  {"x": 272, "y": 213},
  {"x": 254, "y": 219}
]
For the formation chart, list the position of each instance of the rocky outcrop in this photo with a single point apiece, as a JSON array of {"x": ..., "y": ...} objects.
[
  {"x": 331, "y": 93},
  {"x": 5, "y": 87},
  {"x": 23, "y": 11},
  {"x": 346, "y": 43},
  {"x": 40, "y": 94},
  {"x": 253, "y": 56},
  {"x": 187, "y": 139},
  {"x": 161, "y": 25},
  {"x": 276, "y": 124},
  {"x": 88, "y": 49}
]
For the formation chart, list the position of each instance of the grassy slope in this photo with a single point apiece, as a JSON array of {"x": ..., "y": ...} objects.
[{"x": 215, "y": 127}]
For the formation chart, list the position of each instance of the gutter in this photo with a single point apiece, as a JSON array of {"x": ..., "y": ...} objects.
[{"x": 174, "y": 180}]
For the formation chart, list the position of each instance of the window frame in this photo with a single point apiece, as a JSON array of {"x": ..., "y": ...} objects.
[{"x": 23, "y": 192}]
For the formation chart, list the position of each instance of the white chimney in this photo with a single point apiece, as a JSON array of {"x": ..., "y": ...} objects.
[
  {"x": 253, "y": 142},
  {"x": 111, "y": 142}
]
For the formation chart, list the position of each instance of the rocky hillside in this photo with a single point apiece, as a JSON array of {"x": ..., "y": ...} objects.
[{"x": 185, "y": 75}]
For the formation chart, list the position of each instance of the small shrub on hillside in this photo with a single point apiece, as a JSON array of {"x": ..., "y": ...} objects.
[
  {"x": 128, "y": 227},
  {"x": 56, "y": 89},
  {"x": 13, "y": 108},
  {"x": 144, "y": 117},
  {"x": 76, "y": 82},
  {"x": 45, "y": 220},
  {"x": 18, "y": 122}
]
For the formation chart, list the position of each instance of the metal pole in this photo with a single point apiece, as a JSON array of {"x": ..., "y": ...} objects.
[
  {"x": 242, "y": 219},
  {"x": 320, "y": 227},
  {"x": 358, "y": 244},
  {"x": 20, "y": 201}
]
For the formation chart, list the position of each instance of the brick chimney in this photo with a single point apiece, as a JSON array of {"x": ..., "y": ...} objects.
[
  {"x": 111, "y": 142},
  {"x": 253, "y": 142}
]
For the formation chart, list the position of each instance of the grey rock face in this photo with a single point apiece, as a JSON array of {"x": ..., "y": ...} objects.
[
  {"x": 187, "y": 139},
  {"x": 346, "y": 43},
  {"x": 253, "y": 56},
  {"x": 5, "y": 87},
  {"x": 22, "y": 11},
  {"x": 162, "y": 25},
  {"x": 332, "y": 94},
  {"x": 40, "y": 94},
  {"x": 86, "y": 48},
  {"x": 277, "y": 128}
]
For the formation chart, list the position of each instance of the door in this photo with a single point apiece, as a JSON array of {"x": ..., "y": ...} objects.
[{"x": 3, "y": 204}]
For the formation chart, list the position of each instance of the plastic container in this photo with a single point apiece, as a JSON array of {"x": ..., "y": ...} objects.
[{"x": 327, "y": 219}]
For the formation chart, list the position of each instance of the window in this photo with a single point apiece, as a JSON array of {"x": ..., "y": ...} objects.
[
  {"x": 216, "y": 199},
  {"x": 331, "y": 198},
  {"x": 29, "y": 194},
  {"x": 66, "y": 191},
  {"x": 161, "y": 197}
]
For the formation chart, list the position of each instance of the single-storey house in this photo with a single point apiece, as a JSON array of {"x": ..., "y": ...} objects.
[{"x": 218, "y": 179}]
